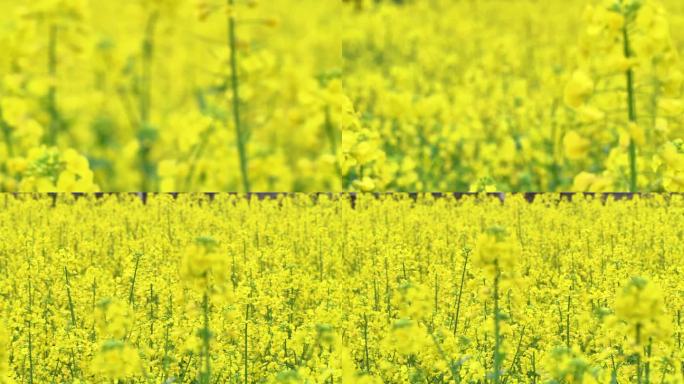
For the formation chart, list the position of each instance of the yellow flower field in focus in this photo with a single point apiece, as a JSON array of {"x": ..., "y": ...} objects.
[{"x": 316, "y": 290}]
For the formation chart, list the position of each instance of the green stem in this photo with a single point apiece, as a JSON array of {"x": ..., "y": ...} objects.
[
  {"x": 631, "y": 110},
  {"x": 71, "y": 303},
  {"x": 131, "y": 294},
  {"x": 330, "y": 131},
  {"x": 567, "y": 324},
  {"x": 647, "y": 367},
  {"x": 455, "y": 375},
  {"x": 52, "y": 90},
  {"x": 30, "y": 336},
  {"x": 200, "y": 147},
  {"x": 7, "y": 134},
  {"x": 167, "y": 344},
  {"x": 165, "y": 359},
  {"x": 206, "y": 375},
  {"x": 145, "y": 102},
  {"x": 365, "y": 343},
  {"x": 332, "y": 138},
  {"x": 152, "y": 301},
  {"x": 638, "y": 357},
  {"x": 460, "y": 293},
  {"x": 246, "y": 361},
  {"x": 239, "y": 133},
  {"x": 515, "y": 356},
  {"x": 497, "y": 330},
  {"x": 554, "y": 166}
]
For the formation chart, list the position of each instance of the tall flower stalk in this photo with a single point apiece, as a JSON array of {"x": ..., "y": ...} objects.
[
  {"x": 498, "y": 354},
  {"x": 640, "y": 306},
  {"x": 495, "y": 256},
  {"x": 631, "y": 104},
  {"x": 145, "y": 131},
  {"x": 205, "y": 377},
  {"x": 235, "y": 87},
  {"x": 52, "y": 90},
  {"x": 201, "y": 268}
]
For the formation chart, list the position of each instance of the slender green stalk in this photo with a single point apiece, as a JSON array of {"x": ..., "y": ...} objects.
[
  {"x": 638, "y": 357},
  {"x": 52, "y": 90},
  {"x": 497, "y": 329},
  {"x": 199, "y": 148},
  {"x": 7, "y": 135},
  {"x": 679, "y": 329},
  {"x": 452, "y": 368},
  {"x": 239, "y": 133},
  {"x": 515, "y": 356},
  {"x": 145, "y": 133},
  {"x": 131, "y": 294},
  {"x": 365, "y": 343},
  {"x": 246, "y": 360},
  {"x": 631, "y": 110},
  {"x": 460, "y": 293},
  {"x": 72, "y": 364},
  {"x": 567, "y": 323},
  {"x": 332, "y": 137},
  {"x": 30, "y": 336},
  {"x": 166, "y": 361},
  {"x": 93, "y": 290},
  {"x": 184, "y": 371},
  {"x": 152, "y": 300},
  {"x": 613, "y": 370},
  {"x": 206, "y": 375},
  {"x": 647, "y": 367},
  {"x": 71, "y": 303}
]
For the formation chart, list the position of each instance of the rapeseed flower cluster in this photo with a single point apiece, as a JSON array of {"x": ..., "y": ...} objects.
[
  {"x": 168, "y": 95},
  {"x": 242, "y": 95},
  {"x": 315, "y": 289},
  {"x": 582, "y": 95},
  {"x": 629, "y": 80}
]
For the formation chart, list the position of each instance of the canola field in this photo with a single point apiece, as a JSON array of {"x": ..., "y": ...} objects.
[
  {"x": 513, "y": 95},
  {"x": 351, "y": 95},
  {"x": 315, "y": 290},
  {"x": 169, "y": 95}
]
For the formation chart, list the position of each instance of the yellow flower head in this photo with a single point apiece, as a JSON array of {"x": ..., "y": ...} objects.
[
  {"x": 114, "y": 318},
  {"x": 117, "y": 360},
  {"x": 641, "y": 304},
  {"x": 496, "y": 251},
  {"x": 202, "y": 263},
  {"x": 578, "y": 89},
  {"x": 575, "y": 146}
]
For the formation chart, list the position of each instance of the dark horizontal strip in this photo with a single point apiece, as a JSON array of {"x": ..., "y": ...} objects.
[{"x": 353, "y": 196}]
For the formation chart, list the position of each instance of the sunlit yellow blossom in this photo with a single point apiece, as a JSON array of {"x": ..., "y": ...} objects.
[
  {"x": 575, "y": 146},
  {"x": 117, "y": 361},
  {"x": 114, "y": 318},
  {"x": 578, "y": 88},
  {"x": 202, "y": 263},
  {"x": 496, "y": 250},
  {"x": 639, "y": 301}
]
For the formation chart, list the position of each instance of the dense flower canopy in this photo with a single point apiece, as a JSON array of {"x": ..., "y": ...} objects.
[
  {"x": 316, "y": 290},
  {"x": 143, "y": 94},
  {"x": 305, "y": 95},
  {"x": 524, "y": 95}
]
